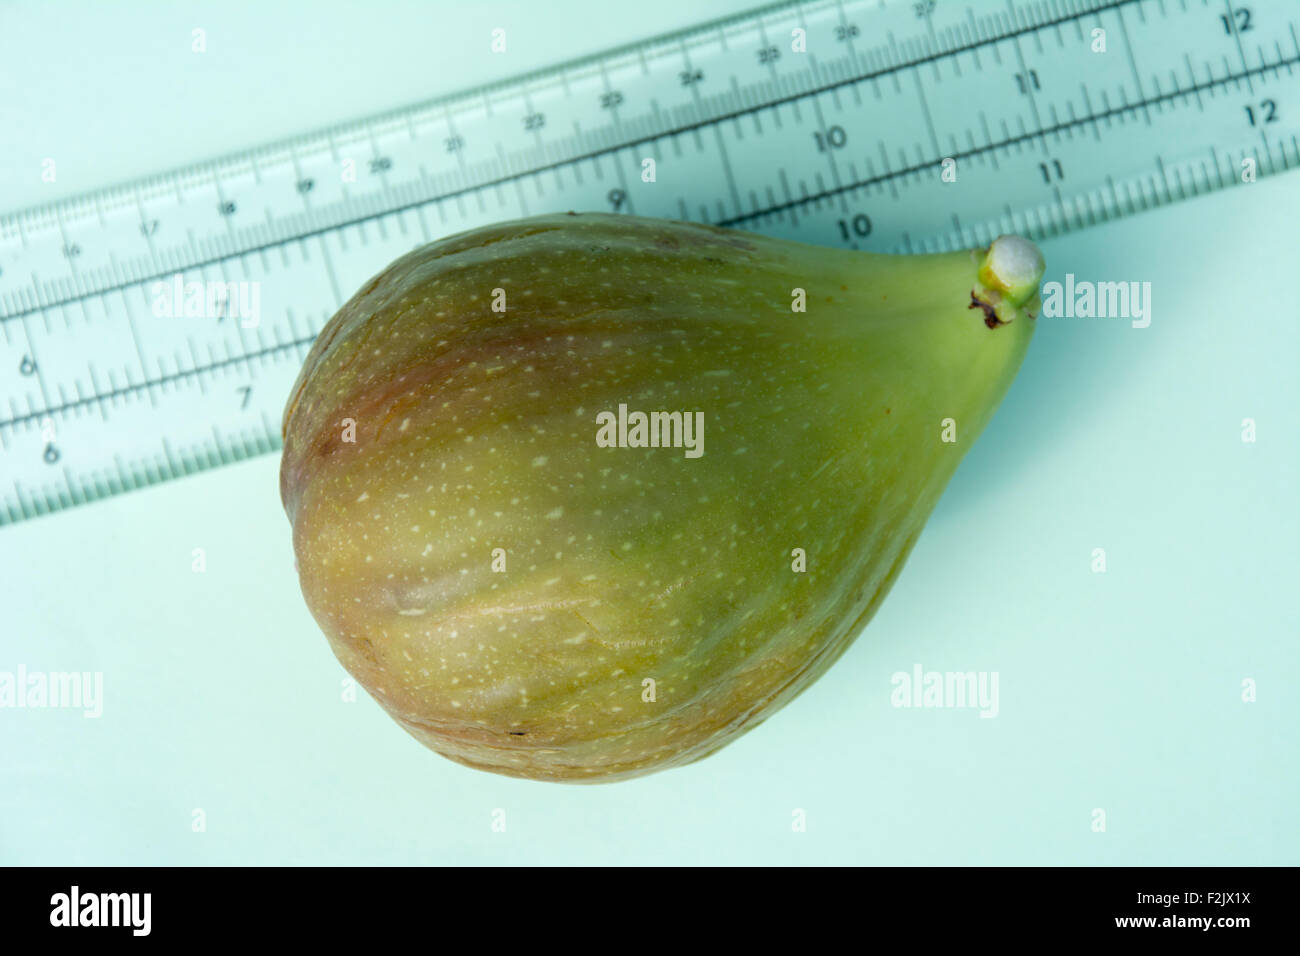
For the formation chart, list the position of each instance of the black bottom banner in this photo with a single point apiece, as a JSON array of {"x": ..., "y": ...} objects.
[{"x": 1147, "y": 906}]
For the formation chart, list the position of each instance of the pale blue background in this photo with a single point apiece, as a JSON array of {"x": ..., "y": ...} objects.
[{"x": 1119, "y": 691}]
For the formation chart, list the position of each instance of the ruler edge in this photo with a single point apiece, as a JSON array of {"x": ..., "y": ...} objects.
[{"x": 45, "y": 214}]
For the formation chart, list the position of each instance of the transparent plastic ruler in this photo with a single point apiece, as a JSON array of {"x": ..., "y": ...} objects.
[{"x": 154, "y": 329}]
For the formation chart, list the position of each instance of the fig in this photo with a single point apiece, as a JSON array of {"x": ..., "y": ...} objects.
[{"x": 583, "y": 496}]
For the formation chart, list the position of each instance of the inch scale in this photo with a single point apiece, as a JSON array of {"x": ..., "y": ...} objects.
[{"x": 155, "y": 329}]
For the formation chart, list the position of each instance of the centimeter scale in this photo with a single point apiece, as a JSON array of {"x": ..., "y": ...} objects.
[{"x": 155, "y": 329}]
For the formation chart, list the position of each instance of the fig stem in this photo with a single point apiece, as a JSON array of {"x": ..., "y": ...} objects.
[{"x": 1013, "y": 266}]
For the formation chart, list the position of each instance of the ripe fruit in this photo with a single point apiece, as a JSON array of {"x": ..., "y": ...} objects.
[{"x": 500, "y": 554}]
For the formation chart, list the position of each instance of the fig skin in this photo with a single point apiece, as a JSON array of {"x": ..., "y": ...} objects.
[{"x": 648, "y": 612}]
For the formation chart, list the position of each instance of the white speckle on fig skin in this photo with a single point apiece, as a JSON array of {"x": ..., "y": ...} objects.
[{"x": 621, "y": 564}]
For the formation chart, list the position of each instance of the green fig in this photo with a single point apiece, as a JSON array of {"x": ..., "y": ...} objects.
[{"x": 579, "y": 497}]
